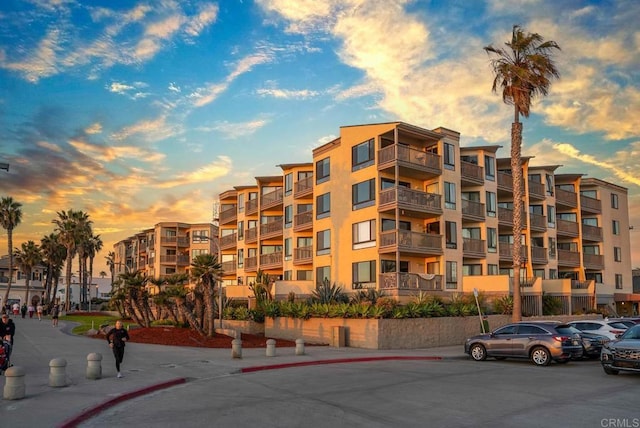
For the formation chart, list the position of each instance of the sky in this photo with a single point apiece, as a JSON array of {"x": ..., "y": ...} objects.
[{"x": 139, "y": 112}]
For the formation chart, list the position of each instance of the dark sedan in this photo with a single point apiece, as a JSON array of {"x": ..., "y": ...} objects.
[{"x": 592, "y": 343}]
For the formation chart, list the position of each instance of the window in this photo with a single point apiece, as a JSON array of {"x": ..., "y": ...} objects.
[
  {"x": 553, "y": 274},
  {"x": 288, "y": 275},
  {"x": 200, "y": 236},
  {"x": 288, "y": 184},
  {"x": 323, "y": 275},
  {"x": 288, "y": 248},
  {"x": 549, "y": 183},
  {"x": 364, "y": 274},
  {"x": 618, "y": 281},
  {"x": 195, "y": 253},
  {"x": 387, "y": 183},
  {"x": 241, "y": 230},
  {"x": 323, "y": 205},
  {"x": 614, "y": 201},
  {"x": 551, "y": 216},
  {"x": 491, "y": 204},
  {"x": 615, "y": 224},
  {"x": 322, "y": 170},
  {"x": 323, "y": 242},
  {"x": 450, "y": 195},
  {"x": 241, "y": 258},
  {"x": 362, "y": 155},
  {"x": 241, "y": 203},
  {"x": 364, "y": 234},
  {"x": 471, "y": 232},
  {"x": 387, "y": 266},
  {"x": 471, "y": 270},
  {"x": 492, "y": 270},
  {"x": 492, "y": 240},
  {"x": 449, "y": 156},
  {"x": 552, "y": 248},
  {"x": 451, "y": 235},
  {"x": 489, "y": 168},
  {"x": 451, "y": 275},
  {"x": 592, "y": 221},
  {"x": 591, "y": 249},
  {"x": 538, "y": 273},
  {"x": 388, "y": 224},
  {"x": 304, "y": 275},
  {"x": 617, "y": 254},
  {"x": 288, "y": 216},
  {"x": 363, "y": 194}
]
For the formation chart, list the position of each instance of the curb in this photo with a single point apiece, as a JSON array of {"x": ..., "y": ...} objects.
[{"x": 336, "y": 361}]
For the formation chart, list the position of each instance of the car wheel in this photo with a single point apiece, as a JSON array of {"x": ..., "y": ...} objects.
[
  {"x": 609, "y": 370},
  {"x": 540, "y": 356},
  {"x": 478, "y": 352}
]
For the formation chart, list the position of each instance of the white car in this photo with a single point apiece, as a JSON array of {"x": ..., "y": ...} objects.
[{"x": 605, "y": 327}]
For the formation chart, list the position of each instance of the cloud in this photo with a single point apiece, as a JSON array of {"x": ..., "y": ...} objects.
[
  {"x": 208, "y": 173},
  {"x": 287, "y": 94},
  {"x": 147, "y": 130},
  {"x": 39, "y": 63},
  {"x": 94, "y": 128},
  {"x": 235, "y": 130}
]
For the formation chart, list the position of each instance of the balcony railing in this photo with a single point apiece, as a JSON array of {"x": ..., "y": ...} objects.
[
  {"x": 471, "y": 173},
  {"x": 568, "y": 258},
  {"x": 303, "y": 187},
  {"x": 414, "y": 202},
  {"x": 251, "y": 207},
  {"x": 412, "y": 162},
  {"x": 565, "y": 227},
  {"x": 539, "y": 255},
  {"x": 590, "y": 204},
  {"x": 591, "y": 233},
  {"x": 410, "y": 243},
  {"x": 229, "y": 267},
  {"x": 476, "y": 248},
  {"x": 180, "y": 259},
  {"x": 272, "y": 199},
  {"x": 228, "y": 241},
  {"x": 566, "y": 198},
  {"x": 302, "y": 255},
  {"x": 303, "y": 221},
  {"x": 593, "y": 261},
  {"x": 505, "y": 217},
  {"x": 251, "y": 264},
  {"x": 181, "y": 241},
  {"x": 505, "y": 250},
  {"x": 410, "y": 281},
  {"x": 505, "y": 181},
  {"x": 580, "y": 285},
  {"x": 271, "y": 229},
  {"x": 472, "y": 210},
  {"x": 251, "y": 235},
  {"x": 270, "y": 261},
  {"x": 538, "y": 222},
  {"x": 229, "y": 214},
  {"x": 536, "y": 190}
]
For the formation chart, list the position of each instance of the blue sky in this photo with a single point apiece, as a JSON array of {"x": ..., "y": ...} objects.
[{"x": 140, "y": 112}]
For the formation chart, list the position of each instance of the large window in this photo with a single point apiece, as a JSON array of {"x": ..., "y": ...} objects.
[
  {"x": 451, "y": 234},
  {"x": 364, "y": 234},
  {"x": 451, "y": 275},
  {"x": 241, "y": 258},
  {"x": 304, "y": 275},
  {"x": 323, "y": 275},
  {"x": 492, "y": 204},
  {"x": 288, "y": 184},
  {"x": 323, "y": 205},
  {"x": 449, "y": 156},
  {"x": 549, "y": 183},
  {"x": 241, "y": 230},
  {"x": 617, "y": 254},
  {"x": 200, "y": 236},
  {"x": 618, "y": 281},
  {"x": 489, "y": 168},
  {"x": 615, "y": 225},
  {"x": 552, "y": 248},
  {"x": 364, "y": 274},
  {"x": 322, "y": 170},
  {"x": 390, "y": 266},
  {"x": 288, "y": 216},
  {"x": 450, "y": 195},
  {"x": 471, "y": 270},
  {"x": 323, "y": 242},
  {"x": 551, "y": 216},
  {"x": 614, "y": 201},
  {"x": 364, "y": 194},
  {"x": 362, "y": 155},
  {"x": 492, "y": 240},
  {"x": 288, "y": 248}
]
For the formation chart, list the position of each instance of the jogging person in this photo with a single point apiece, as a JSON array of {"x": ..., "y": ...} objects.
[{"x": 117, "y": 337}]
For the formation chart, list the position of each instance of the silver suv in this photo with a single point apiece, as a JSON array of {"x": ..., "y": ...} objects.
[
  {"x": 540, "y": 341},
  {"x": 622, "y": 354}
]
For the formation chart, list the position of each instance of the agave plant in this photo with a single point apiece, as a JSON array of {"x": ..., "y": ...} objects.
[
  {"x": 504, "y": 305},
  {"x": 339, "y": 310},
  {"x": 320, "y": 310},
  {"x": 327, "y": 293},
  {"x": 378, "y": 312},
  {"x": 399, "y": 312}
]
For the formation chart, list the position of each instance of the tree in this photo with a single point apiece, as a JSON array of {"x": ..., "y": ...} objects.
[
  {"x": 10, "y": 217},
  {"x": 27, "y": 258},
  {"x": 54, "y": 255},
  {"x": 206, "y": 271},
  {"x": 111, "y": 264},
  {"x": 522, "y": 71}
]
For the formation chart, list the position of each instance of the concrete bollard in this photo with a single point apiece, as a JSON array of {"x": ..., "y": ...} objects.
[
  {"x": 94, "y": 366},
  {"x": 57, "y": 372},
  {"x": 299, "y": 346},
  {"x": 271, "y": 348},
  {"x": 236, "y": 348},
  {"x": 14, "y": 386}
]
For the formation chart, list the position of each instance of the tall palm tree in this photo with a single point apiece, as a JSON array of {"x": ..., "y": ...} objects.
[
  {"x": 93, "y": 246},
  {"x": 10, "y": 217},
  {"x": 54, "y": 254},
  {"x": 206, "y": 271},
  {"x": 111, "y": 264},
  {"x": 27, "y": 258},
  {"x": 522, "y": 71}
]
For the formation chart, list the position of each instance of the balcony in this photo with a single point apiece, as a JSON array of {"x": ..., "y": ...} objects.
[
  {"x": 536, "y": 190},
  {"x": 251, "y": 264},
  {"x": 412, "y": 203},
  {"x": 180, "y": 241},
  {"x": 505, "y": 182},
  {"x": 303, "y": 188},
  {"x": 568, "y": 258},
  {"x": 272, "y": 199},
  {"x": 271, "y": 261},
  {"x": 410, "y": 281},
  {"x": 590, "y": 205},
  {"x": 411, "y": 162},
  {"x": 251, "y": 207},
  {"x": 473, "y": 211},
  {"x": 505, "y": 251},
  {"x": 229, "y": 267},
  {"x": 539, "y": 255},
  {"x": 538, "y": 222},
  {"x": 228, "y": 214},
  {"x": 410, "y": 243},
  {"x": 303, "y": 221},
  {"x": 591, "y": 233},
  {"x": 474, "y": 248},
  {"x": 229, "y": 241},
  {"x": 565, "y": 198},
  {"x": 272, "y": 229},
  {"x": 505, "y": 217},
  {"x": 175, "y": 259},
  {"x": 303, "y": 255},
  {"x": 471, "y": 174},
  {"x": 251, "y": 235},
  {"x": 593, "y": 261},
  {"x": 567, "y": 228}
]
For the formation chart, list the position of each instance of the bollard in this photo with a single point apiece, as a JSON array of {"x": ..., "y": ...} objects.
[
  {"x": 14, "y": 387},
  {"x": 299, "y": 346},
  {"x": 236, "y": 348},
  {"x": 94, "y": 366},
  {"x": 271, "y": 348},
  {"x": 57, "y": 372}
]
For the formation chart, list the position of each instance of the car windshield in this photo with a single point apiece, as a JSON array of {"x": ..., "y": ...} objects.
[
  {"x": 632, "y": 333},
  {"x": 616, "y": 324},
  {"x": 567, "y": 329}
]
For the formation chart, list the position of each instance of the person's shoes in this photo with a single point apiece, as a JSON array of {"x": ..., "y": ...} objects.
[{"x": 119, "y": 375}]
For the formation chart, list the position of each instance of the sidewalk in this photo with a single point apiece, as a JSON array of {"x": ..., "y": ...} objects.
[{"x": 145, "y": 368}]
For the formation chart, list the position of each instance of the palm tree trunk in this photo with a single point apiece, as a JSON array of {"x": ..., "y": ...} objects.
[
  {"x": 67, "y": 297},
  {"x": 193, "y": 322},
  {"x": 10, "y": 249},
  {"x": 516, "y": 172},
  {"x": 27, "y": 283}
]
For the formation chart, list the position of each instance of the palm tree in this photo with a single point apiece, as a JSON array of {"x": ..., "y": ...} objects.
[
  {"x": 102, "y": 274},
  {"x": 523, "y": 71},
  {"x": 54, "y": 255},
  {"x": 94, "y": 245},
  {"x": 10, "y": 217},
  {"x": 111, "y": 264},
  {"x": 27, "y": 258},
  {"x": 206, "y": 271}
]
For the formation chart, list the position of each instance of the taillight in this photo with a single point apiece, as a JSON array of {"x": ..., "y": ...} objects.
[
  {"x": 561, "y": 338},
  {"x": 616, "y": 332}
]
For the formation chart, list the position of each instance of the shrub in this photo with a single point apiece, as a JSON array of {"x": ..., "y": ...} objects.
[
  {"x": 504, "y": 305},
  {"x": 241, "y": 313},
  {"x": 327, "y": 293}
]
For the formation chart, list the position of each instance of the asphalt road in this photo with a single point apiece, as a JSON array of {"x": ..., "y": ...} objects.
[{"x": 446, "y": 393}]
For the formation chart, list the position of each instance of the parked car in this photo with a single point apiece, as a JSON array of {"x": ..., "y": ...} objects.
[
  {"x": 622, "y": 354},
  {"x": 605, "y": 327},
  {"x": 540, "y": 341},
  {"x": 591, "y": 342},
  {"x": 629, "y": 322}
]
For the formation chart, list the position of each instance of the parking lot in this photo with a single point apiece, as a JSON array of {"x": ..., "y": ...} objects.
[{"x": 447, "y": 393}]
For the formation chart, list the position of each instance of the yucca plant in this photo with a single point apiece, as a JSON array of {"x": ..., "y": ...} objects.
[{"x": 327, "y": 293}]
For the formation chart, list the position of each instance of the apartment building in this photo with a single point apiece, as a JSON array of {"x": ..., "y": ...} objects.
[
  {"x": 166, "y": 249},
  {"x": 403, "y": 209}
]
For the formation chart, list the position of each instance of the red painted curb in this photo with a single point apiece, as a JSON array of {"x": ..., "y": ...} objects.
[
  {"x": 336, "y": 361},
  {"x": 89, "y": 413}
]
